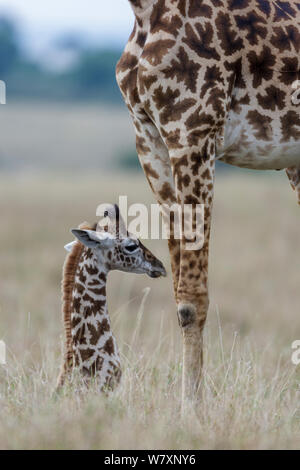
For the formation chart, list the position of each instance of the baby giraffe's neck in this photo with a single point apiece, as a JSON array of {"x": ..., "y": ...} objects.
[{"x": 95, "y": 351}]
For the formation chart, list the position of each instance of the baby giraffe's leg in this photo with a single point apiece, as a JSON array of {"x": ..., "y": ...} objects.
[
  {"x": 155, "y": 160},
  {"x": 294, "y": 177}
]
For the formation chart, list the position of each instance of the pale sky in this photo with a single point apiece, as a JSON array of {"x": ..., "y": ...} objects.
[{"x": 42, "y": 20}]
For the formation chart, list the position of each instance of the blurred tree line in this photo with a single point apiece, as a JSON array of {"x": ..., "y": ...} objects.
[{"x": 90, "y": 77}]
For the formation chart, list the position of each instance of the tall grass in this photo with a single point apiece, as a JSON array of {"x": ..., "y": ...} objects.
[{"x": 250, "y": 389}]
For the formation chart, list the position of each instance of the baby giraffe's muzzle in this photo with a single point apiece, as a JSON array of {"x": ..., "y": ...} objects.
[{"x": 158, "y": 270}]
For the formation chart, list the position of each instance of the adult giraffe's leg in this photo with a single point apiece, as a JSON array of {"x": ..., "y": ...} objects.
[
  {"x": 155, "y": 160},
  {"x": 193, "y": 170},
  {"x": 294, "y": 177},
  {"x": 189, "y": 110}
]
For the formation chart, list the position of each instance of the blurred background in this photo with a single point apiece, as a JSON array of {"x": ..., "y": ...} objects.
[{"x": 58, "y": 63}]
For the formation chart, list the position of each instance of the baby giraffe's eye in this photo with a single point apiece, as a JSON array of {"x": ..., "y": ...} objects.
[{"x": 131, "y": 248}]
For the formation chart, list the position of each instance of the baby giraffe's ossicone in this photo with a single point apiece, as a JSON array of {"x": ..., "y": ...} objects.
[{"x": 90, "y": 345}]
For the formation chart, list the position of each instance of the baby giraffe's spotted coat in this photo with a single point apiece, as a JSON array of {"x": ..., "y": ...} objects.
[{"x": 90, "y": 345}]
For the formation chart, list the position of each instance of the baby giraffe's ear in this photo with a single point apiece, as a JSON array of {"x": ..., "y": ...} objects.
[
  {"x": 86, "y": 237},
  {"x": 69, "y": 246},
  {"x": 92, "y": 239}
]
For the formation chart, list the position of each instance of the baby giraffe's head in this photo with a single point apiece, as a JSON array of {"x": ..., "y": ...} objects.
[{"x": 116, "y": 252}]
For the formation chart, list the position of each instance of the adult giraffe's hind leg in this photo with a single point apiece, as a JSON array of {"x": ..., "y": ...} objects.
[{"x": 294, "y": 177}]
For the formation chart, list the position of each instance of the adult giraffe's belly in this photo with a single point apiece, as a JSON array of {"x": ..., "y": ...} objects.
[
  {"x": 262, "y": 130},
  {"x": 242, "y": 147}
]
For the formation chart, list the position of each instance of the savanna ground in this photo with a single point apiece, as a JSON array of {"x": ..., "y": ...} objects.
[{"x": 250, "y": 386}]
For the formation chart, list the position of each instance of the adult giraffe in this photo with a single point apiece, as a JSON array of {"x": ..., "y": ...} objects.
[{"x": 207, "y": 80}]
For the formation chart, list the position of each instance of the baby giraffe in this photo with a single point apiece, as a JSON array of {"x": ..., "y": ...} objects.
[{"x": 90, "y": 345}]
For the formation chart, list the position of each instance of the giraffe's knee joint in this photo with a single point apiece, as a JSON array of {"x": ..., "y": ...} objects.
[{"x": 186, "y": 315}]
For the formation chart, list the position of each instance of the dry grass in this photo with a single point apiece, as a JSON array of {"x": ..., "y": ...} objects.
[{"x": 250, "y": 387}]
